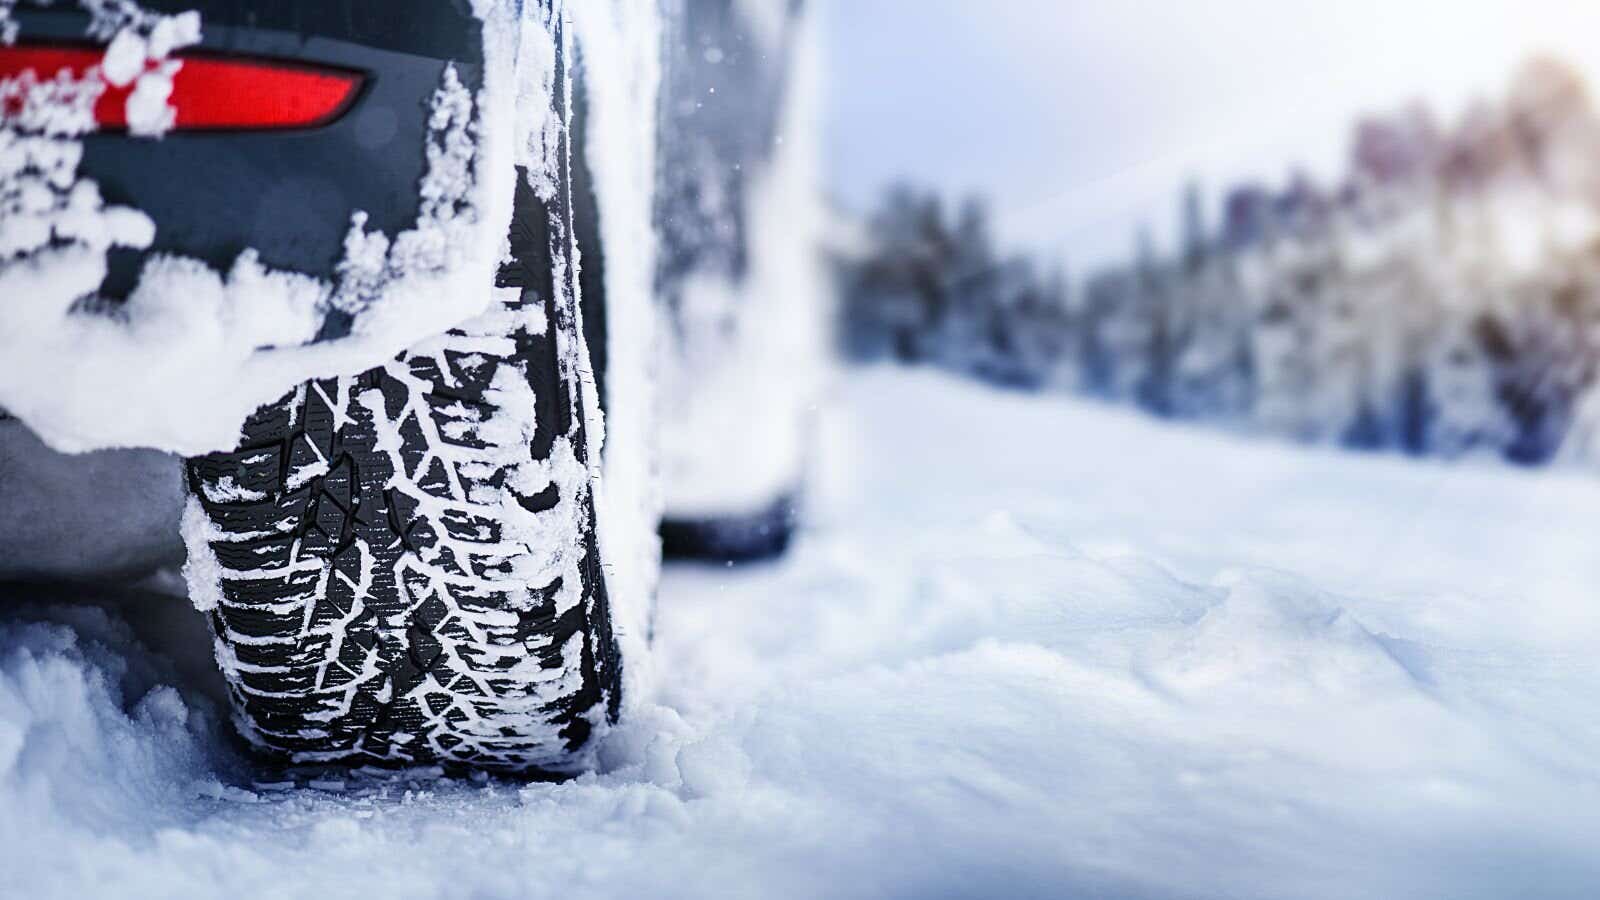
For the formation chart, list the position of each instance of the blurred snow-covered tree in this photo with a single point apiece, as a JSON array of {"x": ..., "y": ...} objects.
[{"x": 1443, "y": 298}]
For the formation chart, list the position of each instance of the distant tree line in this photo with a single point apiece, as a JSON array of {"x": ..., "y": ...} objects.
[{"x": 1443, "y": 299}]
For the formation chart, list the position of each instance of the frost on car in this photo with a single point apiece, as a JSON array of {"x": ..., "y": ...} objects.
[{"x": 738, "y": 274}]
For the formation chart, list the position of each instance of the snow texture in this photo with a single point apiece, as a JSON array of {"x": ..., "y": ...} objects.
[
  {"x": 194, "y": 351},
  {"x": 1026, "y": 648}
]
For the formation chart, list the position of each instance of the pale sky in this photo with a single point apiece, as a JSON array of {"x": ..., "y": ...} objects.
[{"x": 1083, "y": 119}]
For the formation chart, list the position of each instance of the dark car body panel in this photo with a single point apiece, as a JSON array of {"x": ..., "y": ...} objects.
[{"x": 289, "y": 195}]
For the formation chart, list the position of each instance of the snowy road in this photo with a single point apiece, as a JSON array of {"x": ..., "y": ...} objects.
[{"x": 1028, "y": 648}]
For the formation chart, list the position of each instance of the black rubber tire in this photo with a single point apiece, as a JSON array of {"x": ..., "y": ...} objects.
[
  {"x": 760, "y": 536},
  {"x": 405, "y": 562}
]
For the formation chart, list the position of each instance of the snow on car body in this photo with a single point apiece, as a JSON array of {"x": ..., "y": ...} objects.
[{"x": 263, "y": 164}]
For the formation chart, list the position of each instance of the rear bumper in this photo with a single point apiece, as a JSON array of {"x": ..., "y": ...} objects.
[
  {"x": 287, "y": 195},
  {"x": 251, "y": 275}
]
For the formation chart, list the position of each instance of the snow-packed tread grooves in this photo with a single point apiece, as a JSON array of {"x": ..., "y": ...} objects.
[{"x": 421, "y": 583}]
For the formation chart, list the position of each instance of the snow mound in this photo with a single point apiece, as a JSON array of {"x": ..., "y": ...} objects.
[
  {"x": 98, "y": 752},
  {"x": 1042, "y": 654}
]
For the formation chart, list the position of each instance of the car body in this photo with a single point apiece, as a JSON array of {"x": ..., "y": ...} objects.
[
  {"x": 328, "y": 174},
  {"x": 303, "y": 179}
]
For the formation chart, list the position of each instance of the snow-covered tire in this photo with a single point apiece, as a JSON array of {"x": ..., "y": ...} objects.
[{"x": 401, "y": 567}]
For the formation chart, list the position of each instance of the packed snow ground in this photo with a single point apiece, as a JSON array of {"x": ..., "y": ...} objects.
[{"x": 1026, "y": 648}]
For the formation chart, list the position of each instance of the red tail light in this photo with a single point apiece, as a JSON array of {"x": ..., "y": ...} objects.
[{"x": 208, "y": 92}]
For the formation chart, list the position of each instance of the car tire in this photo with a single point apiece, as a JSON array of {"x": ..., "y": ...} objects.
[
  {"x": 757, "y": 537},
  {"x": 402, "y": 567}
]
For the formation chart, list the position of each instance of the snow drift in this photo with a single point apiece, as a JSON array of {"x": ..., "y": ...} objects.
[{"x": 1028, "y": 649}]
